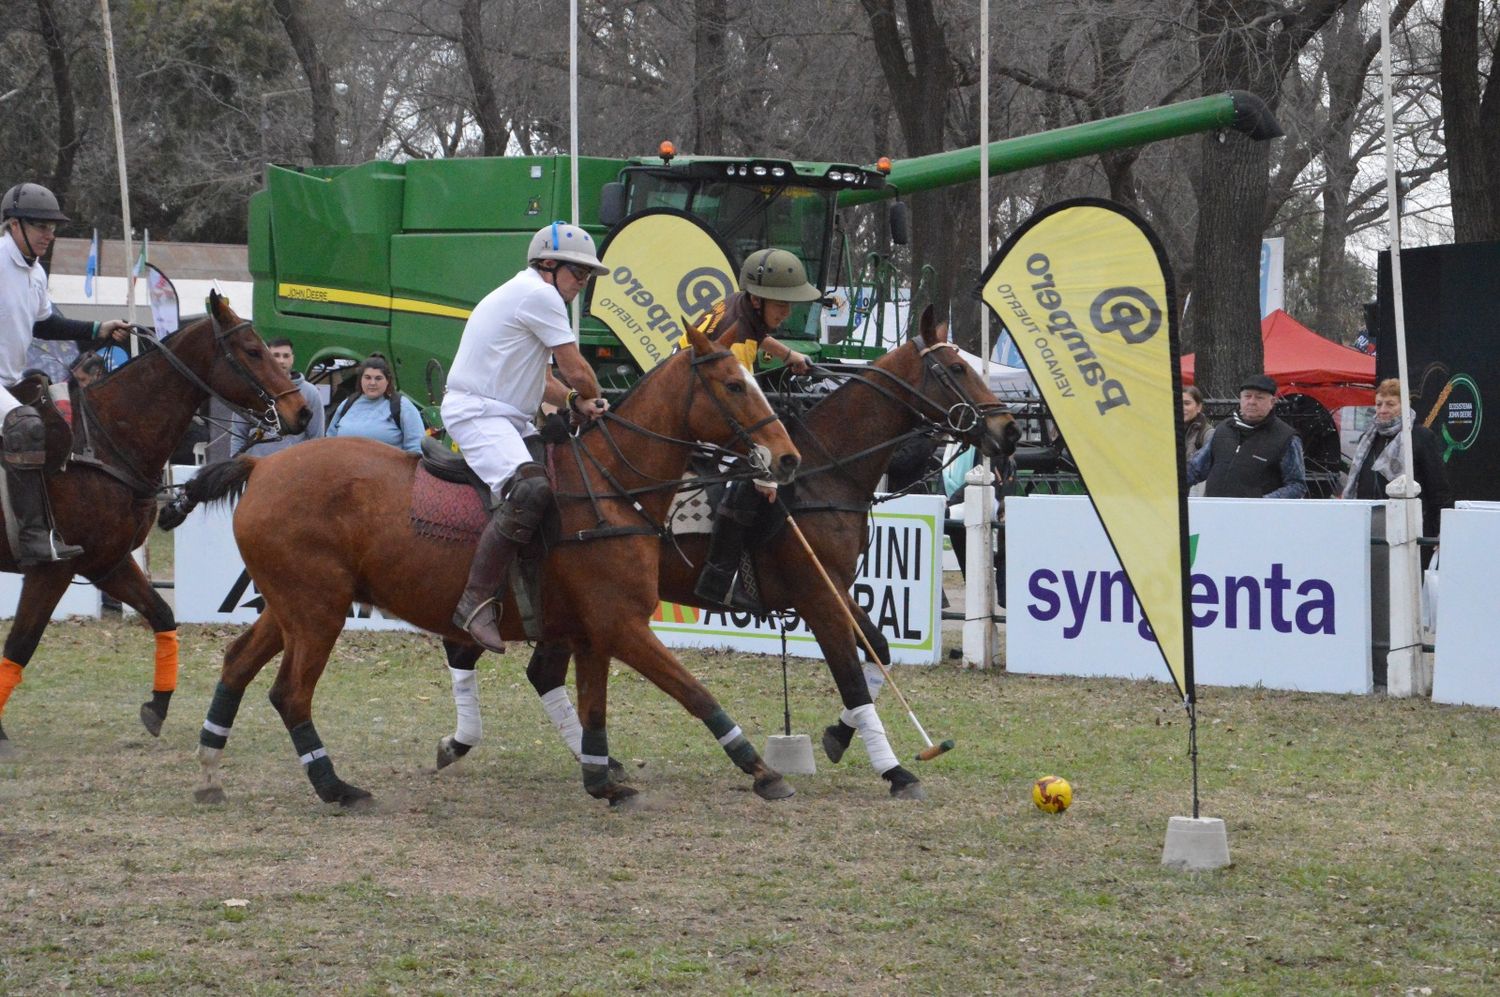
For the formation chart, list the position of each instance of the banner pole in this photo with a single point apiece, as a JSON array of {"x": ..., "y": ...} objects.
[
  {"x": 577, "y": 306},
  {"x": 114, "y": 104}
]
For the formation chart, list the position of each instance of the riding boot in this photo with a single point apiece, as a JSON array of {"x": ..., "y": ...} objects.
[
  {"x": 527, "y": 498},
  {"x": 717, "y": 582},
  {"x": 479, "y": 607},
  {"x": 25, "y": 455}
]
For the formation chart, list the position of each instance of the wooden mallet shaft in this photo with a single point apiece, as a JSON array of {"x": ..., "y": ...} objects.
[{"x": 932, "y": 750}]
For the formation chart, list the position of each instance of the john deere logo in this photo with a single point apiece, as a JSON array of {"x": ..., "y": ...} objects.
[
  {"x": 701, "y": 289},
  {"x": 534, "y": 206},
  {"x": 1131, "y": 312}
]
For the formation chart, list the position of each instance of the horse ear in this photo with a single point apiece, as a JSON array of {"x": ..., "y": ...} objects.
[
  {"x": 932, "y": 332},
  {"x": 696, "y": 338}
]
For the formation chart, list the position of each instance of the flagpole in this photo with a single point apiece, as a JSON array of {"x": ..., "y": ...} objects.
[
  {"x": 1406, "y": 668},
  {"x": 114, "y": 105},
  {"x": 979, "y": 633},
  {"x": 573, "y": 135}
]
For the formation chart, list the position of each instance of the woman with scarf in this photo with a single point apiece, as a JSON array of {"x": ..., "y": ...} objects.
[{"x": 1378, "y": 459}]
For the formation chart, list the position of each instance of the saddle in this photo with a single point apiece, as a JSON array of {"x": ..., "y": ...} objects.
[
  {"x": 33, "y": 390},
  {"x": 452, "y": 504}
]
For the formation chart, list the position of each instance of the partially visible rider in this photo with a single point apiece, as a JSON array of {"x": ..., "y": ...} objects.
[
  {"x": 499, "y": 379},
  {"x": 29, "y": 215},
  {"x": 771, "y": 282}
]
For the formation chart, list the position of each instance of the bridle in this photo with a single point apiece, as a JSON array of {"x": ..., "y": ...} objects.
[
  {"x": 756, "y": 460},
  {"x": 131, "y": 474}
]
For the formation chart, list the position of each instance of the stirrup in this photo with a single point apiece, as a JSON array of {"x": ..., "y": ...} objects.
[{"x": 467, "y": 622}]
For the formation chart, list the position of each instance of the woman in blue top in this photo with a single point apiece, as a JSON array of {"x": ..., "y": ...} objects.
[{"x": 379, "y": 411}]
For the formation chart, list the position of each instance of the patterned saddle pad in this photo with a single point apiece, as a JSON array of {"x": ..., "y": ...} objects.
[
  {"x": 691, "y": 512},
  {"x": 446, "y": 511}
]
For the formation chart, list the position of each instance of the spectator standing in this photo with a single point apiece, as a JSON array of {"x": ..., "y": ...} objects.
[
  {"x": 240, "y": 428},
  {"x": 1252, "y": 454},
  {"x": 1197, "y": 430},
  {"x": 955, "y": 475},
  {"x": 379, "y": 411},
  {"x": 1378, "y": 459}
]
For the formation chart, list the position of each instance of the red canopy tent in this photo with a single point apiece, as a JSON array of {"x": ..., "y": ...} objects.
[{"x": 1303, "y": 362}]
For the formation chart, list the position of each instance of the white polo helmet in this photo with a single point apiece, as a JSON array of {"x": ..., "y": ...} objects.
[{"x": 566, "y": 244}]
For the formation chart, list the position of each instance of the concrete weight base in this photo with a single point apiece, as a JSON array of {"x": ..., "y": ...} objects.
[
  {"x": 1196, "y": 844},
  {"x": 790, "y": 754}
]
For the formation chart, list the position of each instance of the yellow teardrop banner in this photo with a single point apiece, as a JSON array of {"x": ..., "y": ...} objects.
[
  {"x": 1085, "y": 290},
  {"x": 664, "y": 264}
]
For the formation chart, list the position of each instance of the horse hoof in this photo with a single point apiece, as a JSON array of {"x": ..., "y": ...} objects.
[
  {"x": 354, "y": 798},
  {"x": 450, "y": 751},
  {"x": 624, "y": 798},
  {"x": 151, "y": 720},
  {"x": 773, "y": 787},
  {"x": 910, "y": 791},
  {"x": 209, "y": 795},
  {"x": 833, "y": 746}
]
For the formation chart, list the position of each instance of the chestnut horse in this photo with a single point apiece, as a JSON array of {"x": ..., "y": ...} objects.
[
  {"x": 848, "y": 438},
  {"x": 105, "y": 499},
  {"x": 326, "y": 523}
]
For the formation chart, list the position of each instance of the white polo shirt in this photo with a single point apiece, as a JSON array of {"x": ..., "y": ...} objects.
[
  {"x": 24, "y": 301},
  {"x": 508, "y": 341}
]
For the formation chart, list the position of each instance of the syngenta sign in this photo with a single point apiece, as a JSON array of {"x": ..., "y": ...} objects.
[
  {"x": 1279, "y": 594},
  {"x": 1275, "y": 600}
]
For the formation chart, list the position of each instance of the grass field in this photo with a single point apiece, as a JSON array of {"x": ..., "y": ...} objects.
[{"x": 1363, "y": 833}]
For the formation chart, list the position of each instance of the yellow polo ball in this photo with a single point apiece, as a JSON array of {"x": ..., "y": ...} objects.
[{"x": 1052, "y": 794}]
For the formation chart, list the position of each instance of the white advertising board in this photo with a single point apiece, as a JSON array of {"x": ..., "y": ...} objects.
[
  {"x": 81, "y": 599},
  {"x": 899, "y": 584},
  {"x": 1464, "y": 670},
  {"x": 1280, "y": 594},
  {"x": 211, "y": 583}
]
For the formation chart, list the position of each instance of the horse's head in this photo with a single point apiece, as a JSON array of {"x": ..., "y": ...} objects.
[
  {"x": 732, "y": 410},
  {"x": 949, "y": 392},
  {"x": 241, "y": 371}
]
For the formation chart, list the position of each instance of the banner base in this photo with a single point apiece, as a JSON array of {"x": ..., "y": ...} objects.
[
  {"x": 1196, "y": 844},
  {"x": 790, "y": 754}
]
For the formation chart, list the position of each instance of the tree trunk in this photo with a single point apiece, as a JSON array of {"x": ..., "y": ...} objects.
[
  {"x": 920, "y": 90},
  {"x": 494, "y": 135},
  {"x": 708, "y": 77},
  {"x": 294, "y": 18},
  {"x": 1471, "y": 122},
  {"x": 62, "y": 88}
]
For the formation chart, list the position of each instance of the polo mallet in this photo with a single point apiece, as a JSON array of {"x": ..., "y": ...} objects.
[{"x": 932, "y": 750}]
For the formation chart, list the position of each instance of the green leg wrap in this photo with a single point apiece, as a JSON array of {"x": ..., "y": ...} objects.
[
  {"x": 732, "y": 740},
  {"x": 221, "y": 714},
  {"x": 595, "y": 761},
  {"x": 314, "y": 759}
]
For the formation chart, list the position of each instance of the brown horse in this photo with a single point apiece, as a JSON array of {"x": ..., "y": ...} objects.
[
  {"x": 326, "y": 523},
  {"x": 104, "y": 500},
  {"x": 848, "y": 438}
]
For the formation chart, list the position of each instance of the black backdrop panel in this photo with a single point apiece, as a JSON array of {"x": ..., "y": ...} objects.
[{"x": 1452, "y": 296}]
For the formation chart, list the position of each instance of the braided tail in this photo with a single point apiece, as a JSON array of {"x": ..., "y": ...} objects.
[{"x": 223, "y": 481}]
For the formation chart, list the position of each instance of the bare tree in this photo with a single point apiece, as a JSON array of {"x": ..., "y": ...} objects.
[
  {"x": 295, "y": 18},
  {"x": 1471, "y": 115}
]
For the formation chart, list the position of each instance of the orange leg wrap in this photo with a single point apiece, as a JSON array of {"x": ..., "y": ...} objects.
[
  {"x": 10, "y": 677},
  {"x": 166, "y": 662}
]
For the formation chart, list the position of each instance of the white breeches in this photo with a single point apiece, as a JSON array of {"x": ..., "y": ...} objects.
[{"x": 490, "y": 434}]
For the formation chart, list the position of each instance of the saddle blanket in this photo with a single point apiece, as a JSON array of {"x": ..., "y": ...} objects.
[
  {"x": 442, "y": 510},
  {"x": 691, "y": 512}
]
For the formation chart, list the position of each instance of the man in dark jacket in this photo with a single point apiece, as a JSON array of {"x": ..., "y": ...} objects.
[{"x": 1252, "y": 454}]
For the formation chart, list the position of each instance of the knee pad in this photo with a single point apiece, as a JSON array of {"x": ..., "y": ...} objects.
[
  {"x": 25, "y": 439},
  {"x": 527, "y": 499}
]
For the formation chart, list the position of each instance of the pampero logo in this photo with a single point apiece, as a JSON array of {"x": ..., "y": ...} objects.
[
  {"x": 1130, "y": 311},
  {"x": 1234, "y": 602}
]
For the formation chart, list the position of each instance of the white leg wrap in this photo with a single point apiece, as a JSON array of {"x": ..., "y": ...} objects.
[
  {"x": 865, "y": 720},
  {"x": 470, "y": 728},
  {"x": 875, "y": 680},
  {"x": 560, "y": 711}
]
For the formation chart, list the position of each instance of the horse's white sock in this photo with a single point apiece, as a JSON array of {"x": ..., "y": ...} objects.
[
  {"x": 874, "y": 680},
  {"x": 865, "y": 720},
  {"x": 470, "y": 727},
  {"x": 560, "y": 711}
]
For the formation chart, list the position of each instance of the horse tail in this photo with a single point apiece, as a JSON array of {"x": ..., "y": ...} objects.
[{"x": 223, "y": 481}]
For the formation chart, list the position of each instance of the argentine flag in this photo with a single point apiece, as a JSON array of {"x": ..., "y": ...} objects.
[{"x": 92, "y": 268}]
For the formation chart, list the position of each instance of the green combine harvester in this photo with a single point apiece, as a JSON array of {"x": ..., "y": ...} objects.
[{"x": 390, "y": 257}]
